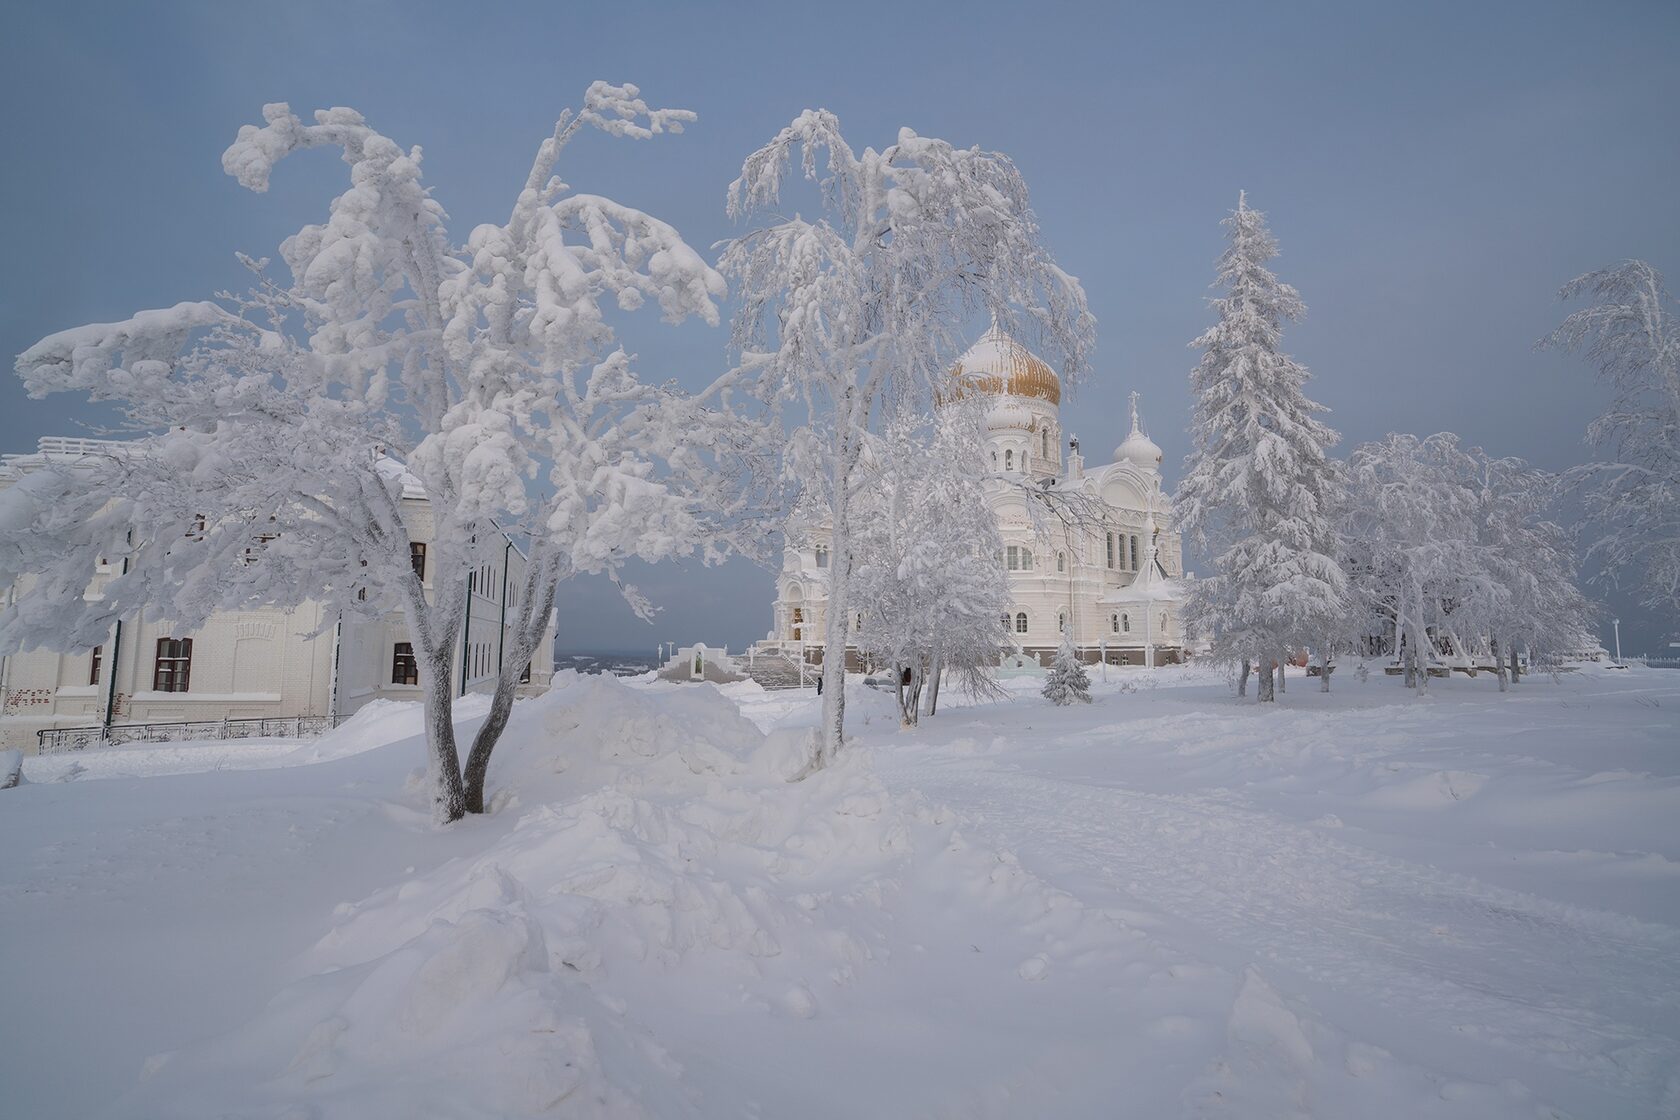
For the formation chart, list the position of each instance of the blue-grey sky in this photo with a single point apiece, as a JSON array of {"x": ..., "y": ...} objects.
[{"x": 1434, "y": 173}]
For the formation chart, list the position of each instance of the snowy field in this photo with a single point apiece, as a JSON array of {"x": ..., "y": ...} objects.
[{"x": 1163, "y": 904}]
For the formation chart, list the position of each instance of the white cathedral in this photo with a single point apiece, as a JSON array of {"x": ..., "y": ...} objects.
[{"x": 1117, "y": 588}]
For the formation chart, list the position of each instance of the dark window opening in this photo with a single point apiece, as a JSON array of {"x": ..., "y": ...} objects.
[
  {"x": 404, "y": 668},
  {"x": 172, "y": 670}
]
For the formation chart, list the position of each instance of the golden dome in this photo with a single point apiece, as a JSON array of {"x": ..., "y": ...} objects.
[{"x": 998, "y": 364}]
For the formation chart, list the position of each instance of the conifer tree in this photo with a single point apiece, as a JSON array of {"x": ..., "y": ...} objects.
[
  {"x": 1258, "y": 486},
  {"x": 1068, "y": 682}
]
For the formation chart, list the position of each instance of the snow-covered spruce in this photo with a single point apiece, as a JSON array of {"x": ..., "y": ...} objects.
[
  {"x": 1258, "y": 485},
  {"x": 868, "y": 301},
  {"x": 278, "y": 431},
  {"x": 1067, "y": 681}
]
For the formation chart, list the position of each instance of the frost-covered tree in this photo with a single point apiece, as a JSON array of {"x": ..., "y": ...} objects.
[
  {"x": 1412, "y": 525},
  {"x": 865, "y": 302},
  {"x": 1532, "y": 599},
  {"x": 276, "y": 433},
  {"x": 926, "y": 582},
  {"x": 1067, "y": 681},
  {"x": 1258, "y": 485},
  {"x": 1633, "y": 500},
  {"x": 1455, "y": 553}
]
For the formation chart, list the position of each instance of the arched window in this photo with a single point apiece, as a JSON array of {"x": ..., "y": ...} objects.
[
  {"x": 1111, "y": 550},
  {"x": 1126, "y": 624},
  {"x": 1044, "y": 443},
  {"x": 1005, "y": 620},
  {"x": 1061, "y": 561},
  {"x": 1023, "y": 460},
  {"x": 1163, "y": 622},
  {"x": 859, "y": 626},
  {"x": 1026, "y": 559},
  {"x": 822, "y": 557},
  {"x": 994, "y": 459},
  {"x": 1061, "y": 622},
  {"x": 1021, "y": 622},
  {"x": 1009, "y": 460},
  {"x": 1114, "y": 622},
  {"x": 1134, "y": 553}
]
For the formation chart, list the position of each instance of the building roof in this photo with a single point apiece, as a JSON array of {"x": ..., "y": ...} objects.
[{"x": 998, "y": 364}]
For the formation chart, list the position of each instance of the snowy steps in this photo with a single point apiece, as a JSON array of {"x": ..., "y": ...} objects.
[{"x": 776, "y": 671}]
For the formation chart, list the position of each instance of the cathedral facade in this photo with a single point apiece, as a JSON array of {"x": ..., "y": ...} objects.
[{"x": 1116, "y": 585}]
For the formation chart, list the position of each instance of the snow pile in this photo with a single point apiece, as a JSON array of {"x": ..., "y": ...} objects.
[{"x": 655, "y": 846}]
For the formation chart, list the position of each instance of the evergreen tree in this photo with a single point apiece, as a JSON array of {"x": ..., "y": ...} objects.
[
  {"x": 1258, "y": 487},
  {"x": 1068, "y": 681}
]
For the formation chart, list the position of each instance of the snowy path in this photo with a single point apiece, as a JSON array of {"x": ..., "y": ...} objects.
[{"x": 1397, "y": 950}]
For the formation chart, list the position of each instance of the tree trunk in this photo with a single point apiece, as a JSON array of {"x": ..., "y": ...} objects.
[
  {"x": 918, "y": 677},
  {"x": 1499, "y": 667},
  {"x": 1324, "y": 671},
  {"x": 539, "y": 593},
  {"x": 432, "y": 630},
  {"x": 489, "y": 733},
  {"x": 1242, "y": 680},
  {"x": 834, "y": 641},
  {"x": 1516, "y": 666},
  {"x": 443, "y": 761},
  {"x": 1267, "y": 696},
  {"x": 933, "y": 689},
  {"x": 1282, "y": 661}
]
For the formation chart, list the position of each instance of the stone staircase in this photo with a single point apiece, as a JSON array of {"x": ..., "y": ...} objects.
[{"x": 777, "y": 671}]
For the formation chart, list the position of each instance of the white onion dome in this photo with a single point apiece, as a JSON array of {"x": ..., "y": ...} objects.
[
  {"x": 997, "y": 364},
  {"x": 1138, "y": 449}
]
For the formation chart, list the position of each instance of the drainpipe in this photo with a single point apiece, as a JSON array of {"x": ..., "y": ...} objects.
[
  {"x": 332, "y": 683},
  {"x": 111, "y": 670},
  {"x": 111, "y": 689},
  {"x": 466, "y": 634},
  {"x": 501, "y": 635}
]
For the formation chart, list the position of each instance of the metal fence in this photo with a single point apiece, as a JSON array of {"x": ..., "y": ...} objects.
[
  {"x": 57, "y": 739},
  {"x": 1657, "y": 662}
]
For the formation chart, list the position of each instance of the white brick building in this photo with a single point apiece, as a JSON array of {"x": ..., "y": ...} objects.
[
  {"x": 1116, "y": 586},
  {"x": 258, "y": 664}
]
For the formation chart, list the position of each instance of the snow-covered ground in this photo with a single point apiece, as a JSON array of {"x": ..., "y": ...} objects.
[{"x": 1166, "y": 903}]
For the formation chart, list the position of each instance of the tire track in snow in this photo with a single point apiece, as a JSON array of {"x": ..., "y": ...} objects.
[{"x": 1588, "y": 992}]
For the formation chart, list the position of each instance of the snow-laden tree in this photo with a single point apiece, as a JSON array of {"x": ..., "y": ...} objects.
[
  {"x": 866, "y": 302},
  {"x": 1633, "y": 500},
  {"x": 1411, "y": 524},
  {"x": 1067, "y": 681},
  {"x": 1532, "y": 599},
  {"x": 1258, "y": 485},
  {"x": 277, "y": 433},
  {"x": 926, "y": 582},
  {"x": 1456, "y": 554}
]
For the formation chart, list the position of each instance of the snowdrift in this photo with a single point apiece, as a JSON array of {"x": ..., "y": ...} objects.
[{"x": 645, "y": 843}]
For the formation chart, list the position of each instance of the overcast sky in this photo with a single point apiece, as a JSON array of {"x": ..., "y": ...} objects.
[{"x": 1434, "y": 173}]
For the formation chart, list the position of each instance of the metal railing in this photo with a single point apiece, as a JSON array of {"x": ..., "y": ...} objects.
[{"x": 54, "y": 740}]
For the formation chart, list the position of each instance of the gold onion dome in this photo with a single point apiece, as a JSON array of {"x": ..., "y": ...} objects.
[{"x": 998, "y": 364}]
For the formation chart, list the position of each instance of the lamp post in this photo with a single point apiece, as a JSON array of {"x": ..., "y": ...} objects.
[{"x": 1617, "y": 624}]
